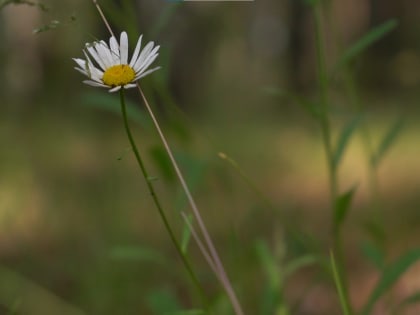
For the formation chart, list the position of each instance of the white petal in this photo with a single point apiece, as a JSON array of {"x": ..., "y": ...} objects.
[
  {"x": 114, "y": 50},
  {"x": 91, "y": 71},
  {"x": 80, "y": 62},
  {"x": 92, "y": 51},
  {"x": 129, "y": 86},
  {"x": 95, "y": 84},
  {"x": 136, "y": 52},
  {"x": 149, "y": 59},
  {"x": 141, "y": 75},
  {"x": 146, "y": 65},
  {"x": 81, "y": 71},
  {"x": 115, "y": 89},
  {"x": 103, "y": 43},
  {"x": 105, "y": 54},
  {"x": 143, "y": 55},
  {"x": 81, "y": 66},
  {"x": 123, "y": 48},
  {"x": 88, "y": 65},
  {"x": 96, "y": 74}
]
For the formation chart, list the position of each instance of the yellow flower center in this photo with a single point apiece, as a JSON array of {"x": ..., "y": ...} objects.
[{"x": 118, "y": 75}]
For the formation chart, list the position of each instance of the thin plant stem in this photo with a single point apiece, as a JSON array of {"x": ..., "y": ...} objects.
[
  {"x": 156, "y": 200},
  {"x": 200, "y": 244},
  {"x": 213, "y": 253},
  {"x": 96, "y": 4},
  {"x": 207, "y": 239},
  {"x": 357, "y": 105},
  {"x": 345, "y": 305},
  {"x": 329, "y": 150}
]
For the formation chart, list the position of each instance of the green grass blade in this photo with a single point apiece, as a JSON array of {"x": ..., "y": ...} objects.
[
  {"x": 344, "y": 303},
  {"x": 367, "y": 40},
  {"x": 390, "y": 275},
  {"x": 387, "y": 141},
  {"x": 299, "y": 263},
  {"x": 273, "y": 287},
  {"x": 186, "y": 234},
  {"x": 269, "y": 264},
  {"x": 344, "y": 139},
  {"x": 342, "y": 206},
  {"x": 162, "y": 163}
]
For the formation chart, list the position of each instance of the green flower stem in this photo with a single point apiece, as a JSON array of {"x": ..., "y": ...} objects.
[
  {"x": 157, "y": 202},
  {"x": 325, "y": 124},
  {"x": 344, "y": 302}
]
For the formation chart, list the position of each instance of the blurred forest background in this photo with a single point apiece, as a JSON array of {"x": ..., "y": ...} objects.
[{"x": 79, "y": 232}]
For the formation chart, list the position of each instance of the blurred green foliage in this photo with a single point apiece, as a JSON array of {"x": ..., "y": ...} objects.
[{"x": 79, "y": 232}]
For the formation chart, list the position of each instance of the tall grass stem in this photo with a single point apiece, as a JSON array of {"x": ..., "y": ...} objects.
[
  {"x": 325, "y": 125},
  {"x": 156, "y": 200},
  {"x": 101, "y": 13},
  {"x": 345, "y": 305},
  {"x": 226, "y": 283}
]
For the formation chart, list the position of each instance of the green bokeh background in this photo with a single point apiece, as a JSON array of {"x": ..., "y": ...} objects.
[{"x": 78, "y": 230}]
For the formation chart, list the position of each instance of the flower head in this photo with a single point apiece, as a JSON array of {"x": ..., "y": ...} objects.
[{"x": 111, "y": 68}]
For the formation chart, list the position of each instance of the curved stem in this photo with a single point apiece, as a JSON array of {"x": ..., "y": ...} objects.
[
  {"x": 157, "y": 202},
  {"x": 221, "y": 273}
]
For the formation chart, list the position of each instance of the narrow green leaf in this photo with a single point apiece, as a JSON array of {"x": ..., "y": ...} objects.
[
  {"x": 374, "y": 254},
  {"x": 389, "y": 276},
  {"x": 270, "y": 298},
  {"x": 299, "y": 263},
  {"x": 345, "y": 304},
  {"x": 387, "y": 141},
  {"x": 111, "y": 103},
  {"x": 342, "y": 206},
  {"x": 344, "y": 139},
  {"x": 269, "y": 264},
  {"x": 367, "y": 40},
  {"x": 186, "y": 234},
  {"x": 162, "y": 162}
]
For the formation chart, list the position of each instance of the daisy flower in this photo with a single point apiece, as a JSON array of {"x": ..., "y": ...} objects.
[{"x": 111, "y": 68}]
